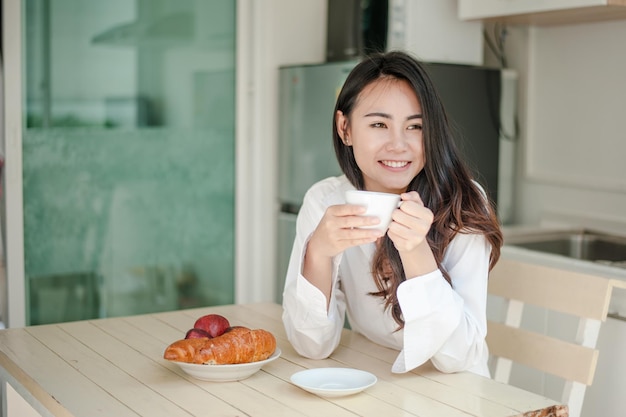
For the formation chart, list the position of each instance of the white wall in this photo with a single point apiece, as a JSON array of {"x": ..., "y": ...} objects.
[
  {"x": 572, "y": 108},
  {"x": 277, "y": 32},
  {"x": 571, "y": 152}
]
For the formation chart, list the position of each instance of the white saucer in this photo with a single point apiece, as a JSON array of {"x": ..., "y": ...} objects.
[{"x": 333, "y": 382}]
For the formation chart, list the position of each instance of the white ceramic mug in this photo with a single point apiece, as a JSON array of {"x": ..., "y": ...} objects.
[{"x": 380, "y": 205}]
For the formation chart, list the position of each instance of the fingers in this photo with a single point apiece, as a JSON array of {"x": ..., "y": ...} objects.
[
  {"x": 412, "y": 196},
  {"x": 409, "y": 211},
  {"x": 411, "y": 222},
  {"x": 412, "y": 208},
  {"x": 341, "y": 227},
  {"x": 350, "y": 216}
]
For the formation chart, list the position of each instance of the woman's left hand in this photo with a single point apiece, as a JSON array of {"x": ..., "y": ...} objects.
[{"x": 411, "y": 222}]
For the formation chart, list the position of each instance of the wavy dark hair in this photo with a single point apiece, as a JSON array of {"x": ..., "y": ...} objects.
[{"x": 445, "y": 184}]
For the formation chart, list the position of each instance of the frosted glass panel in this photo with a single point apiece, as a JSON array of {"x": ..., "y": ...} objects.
[{"x": 128, "y": 157}]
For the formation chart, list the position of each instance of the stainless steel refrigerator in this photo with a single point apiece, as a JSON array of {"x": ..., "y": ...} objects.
[{"x": 480, "y": 102}]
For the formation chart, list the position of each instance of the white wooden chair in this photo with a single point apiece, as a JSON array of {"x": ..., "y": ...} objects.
[{"x": 583, "y": 296}]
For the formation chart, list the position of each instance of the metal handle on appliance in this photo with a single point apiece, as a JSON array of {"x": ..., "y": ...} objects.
[{"x": 290, "y": 208}]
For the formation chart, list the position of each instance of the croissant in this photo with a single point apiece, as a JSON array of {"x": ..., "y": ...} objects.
[{"x": 238, "y": 345}]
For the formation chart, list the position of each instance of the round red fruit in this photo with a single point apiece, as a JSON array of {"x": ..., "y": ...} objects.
[
  {"x": 197, "y": 334},
  {"x": 214, "y": 324}
]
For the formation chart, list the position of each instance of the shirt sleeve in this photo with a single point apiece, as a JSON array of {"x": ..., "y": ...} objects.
[
  {"x": 447, "y": 323},
  {"x": 313, "y": 331}
]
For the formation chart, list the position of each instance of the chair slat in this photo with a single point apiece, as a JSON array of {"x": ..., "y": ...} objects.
[
  {"x": 555, "y": 289},
  {"x": 566, "y": 360}
]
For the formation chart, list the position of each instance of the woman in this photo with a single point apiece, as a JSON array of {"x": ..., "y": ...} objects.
[{"x": 421, "y": 287}]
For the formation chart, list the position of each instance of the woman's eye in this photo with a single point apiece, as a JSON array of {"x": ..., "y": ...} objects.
[
  {"x": 378, "y": 124},
  {"x": 415, "y": 127}
]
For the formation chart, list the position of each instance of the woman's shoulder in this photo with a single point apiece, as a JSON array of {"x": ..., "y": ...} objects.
[
  {"x": 328, "y": 187},
  {"x": 327, "y": 192}
]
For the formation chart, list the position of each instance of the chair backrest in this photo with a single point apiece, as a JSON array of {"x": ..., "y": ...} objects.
[{"x": 581, "y": 295}]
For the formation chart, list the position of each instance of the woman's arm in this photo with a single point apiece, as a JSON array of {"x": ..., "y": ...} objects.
[
  {"x": 445, "y": 323},
  {"x": 312, "y": 320},
  {"x": 313, "y": 304}
]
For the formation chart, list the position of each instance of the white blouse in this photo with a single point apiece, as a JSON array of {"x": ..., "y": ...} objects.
[{"x": 443, "y": 323}]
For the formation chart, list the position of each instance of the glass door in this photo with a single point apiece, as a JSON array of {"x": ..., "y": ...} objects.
[{"x": 128, "y": 156}]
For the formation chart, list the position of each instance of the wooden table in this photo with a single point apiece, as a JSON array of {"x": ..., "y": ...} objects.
[{"x": 114, "y": 368}]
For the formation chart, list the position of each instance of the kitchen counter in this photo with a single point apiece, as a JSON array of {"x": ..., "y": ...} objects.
[{"x": 618, "y": 300}]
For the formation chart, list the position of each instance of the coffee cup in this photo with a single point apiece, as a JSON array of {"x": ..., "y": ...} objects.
[{"x": 380, "y": 205}]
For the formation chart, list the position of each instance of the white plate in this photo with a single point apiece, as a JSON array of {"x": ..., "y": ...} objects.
[
  {"x": 222, "y": 373},
  {"x": 333, "y": 382}
]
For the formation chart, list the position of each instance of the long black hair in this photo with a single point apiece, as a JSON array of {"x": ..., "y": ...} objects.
[{"x": 445, "y": 184}]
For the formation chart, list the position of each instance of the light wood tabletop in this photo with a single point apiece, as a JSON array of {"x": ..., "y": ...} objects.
[{"x": 115, "y": 367}]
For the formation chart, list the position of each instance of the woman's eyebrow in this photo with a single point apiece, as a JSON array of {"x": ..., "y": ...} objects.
[
  {"x": 378, "y": 114},
  {"x": 388, "y": 116}
]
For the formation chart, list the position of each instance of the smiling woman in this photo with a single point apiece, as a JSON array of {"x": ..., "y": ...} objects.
[{"x": 420, "y": 286}]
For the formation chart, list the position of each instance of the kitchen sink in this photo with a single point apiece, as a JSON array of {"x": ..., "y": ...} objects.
[{"x": 580, "y": 244}]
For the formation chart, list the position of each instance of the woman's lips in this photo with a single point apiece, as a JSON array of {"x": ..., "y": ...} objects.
[{"x": 394, "y": 164}]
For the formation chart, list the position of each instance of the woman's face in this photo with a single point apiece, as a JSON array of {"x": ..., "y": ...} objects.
[{"x": 385, "y": 132}]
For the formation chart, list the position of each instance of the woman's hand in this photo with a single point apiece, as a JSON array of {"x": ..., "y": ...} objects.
[
  {"x": 408, "y": 230},
  {"x": 339, "y": 230}
]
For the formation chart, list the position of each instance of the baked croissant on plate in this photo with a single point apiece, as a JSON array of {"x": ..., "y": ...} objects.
[{"x": 237, "y": 345}]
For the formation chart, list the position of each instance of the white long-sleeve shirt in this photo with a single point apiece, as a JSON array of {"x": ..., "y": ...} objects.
[{"x": 445, "y": 324}]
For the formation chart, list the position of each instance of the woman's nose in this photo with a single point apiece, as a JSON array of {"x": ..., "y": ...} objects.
[{"x": 397, "y": 141}]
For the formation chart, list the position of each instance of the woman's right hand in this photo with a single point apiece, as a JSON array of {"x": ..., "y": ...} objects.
[{"x": 339, "y": 230}]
